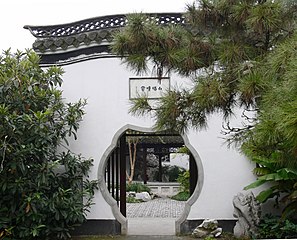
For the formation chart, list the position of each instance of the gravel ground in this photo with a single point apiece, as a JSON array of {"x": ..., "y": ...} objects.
[{"x": 156, "y": 208}]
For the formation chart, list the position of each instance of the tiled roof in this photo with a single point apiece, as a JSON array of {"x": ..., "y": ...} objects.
[{"x": 87, "y": 33}]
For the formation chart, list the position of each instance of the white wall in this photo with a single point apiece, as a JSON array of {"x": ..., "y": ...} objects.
[
  {"x": 105, "y": 84},
  {"x": 226, "y": 172}
]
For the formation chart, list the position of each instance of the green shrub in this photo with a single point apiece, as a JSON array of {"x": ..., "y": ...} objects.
[
  {"x": 133, "y": 200},
  {"x": 37, "y": 200},
  {"x": 209, "y": 238},
  {"x": 230, "y": 236},
  {"x": 137, "y": 187},
  {"x": 169, "y": 173},
  {"x": 184, "y": 180},
  {"x": 272, "y": 227},
  {"x": 174, "y": 172},
  {"x": 181, "y": 196}
]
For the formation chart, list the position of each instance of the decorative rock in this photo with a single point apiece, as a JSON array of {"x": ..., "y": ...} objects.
[
  {"x": 200, "y": 232},
  {"x": 208, "y": 228},
  {"x": 144, "y": 196},
  {"x": 216, "y": 233},
  {"x": 248, "y": 212}
]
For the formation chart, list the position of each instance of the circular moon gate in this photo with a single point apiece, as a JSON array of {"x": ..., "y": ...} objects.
[{"x": 115, "y": 190}]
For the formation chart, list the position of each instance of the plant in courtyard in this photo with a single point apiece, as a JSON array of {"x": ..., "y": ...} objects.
[
  {"x": 181, "y": 196},
  {"x": 174, "y": 172},
  {"x": 184, "y": 181},
  {"x": 170, "y": 173},
  {"x": 137, "y": 187},
  {"x": 183, "y": 150},
  {"x": 238, "y": 54},
  {"x": 44, "y": 192},
  {"x": 131, "y": 199}
]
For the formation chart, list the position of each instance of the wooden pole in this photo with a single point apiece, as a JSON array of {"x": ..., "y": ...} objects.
[
  {"x": 144, "y": 166},
  {"x": 123, "y": 175}
]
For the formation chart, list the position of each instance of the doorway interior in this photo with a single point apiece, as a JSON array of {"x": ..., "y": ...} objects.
[{"x": 152, "y": 160}]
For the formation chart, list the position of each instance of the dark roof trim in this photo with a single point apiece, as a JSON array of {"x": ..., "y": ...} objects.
[
  {"x": 98, "y": 23},
  {"x": 53, "y": 45},
  {"x": 69, "y": 43},
  {"x": 79, "y": 55}
]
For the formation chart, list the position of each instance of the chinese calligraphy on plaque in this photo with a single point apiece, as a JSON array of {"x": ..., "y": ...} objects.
[{"x": 151, "y": 88}]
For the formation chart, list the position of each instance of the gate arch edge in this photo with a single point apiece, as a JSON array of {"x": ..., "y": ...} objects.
[{"x": 112, "y": 202}]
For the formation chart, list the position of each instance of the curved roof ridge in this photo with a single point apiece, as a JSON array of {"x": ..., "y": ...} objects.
[
  {"x": 98, "y": 23},
  {"x": 86, "y": 39}
]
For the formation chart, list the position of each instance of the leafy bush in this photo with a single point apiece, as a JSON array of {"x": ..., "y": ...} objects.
[
  {"x": 174, "y": 172},
  {"x": 272, "y": 227},
  {"x": 41, "y": 190},
  {"x": 133, "y": 200},
  {"x": 181, "y": 196},
  {"x": 184, "y": 180},
  {"x": 137, "y": 187},
  {"x": 230, "y": 236},
  {"x": 283, "y": 187},
  {"x": 169, "y": 173}
]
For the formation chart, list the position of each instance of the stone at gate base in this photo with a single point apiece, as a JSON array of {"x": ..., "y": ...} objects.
[
  {"x": 248, "y": 212},
  {"x": 208, "y": 228}
]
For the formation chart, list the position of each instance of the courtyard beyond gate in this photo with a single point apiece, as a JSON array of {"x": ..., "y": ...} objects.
[{"x": 155, "y": 217}]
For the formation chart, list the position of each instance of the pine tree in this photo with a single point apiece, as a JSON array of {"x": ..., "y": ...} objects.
[
  {"x": 239, "y": 53},
  {"x": 220, "y": 45}
]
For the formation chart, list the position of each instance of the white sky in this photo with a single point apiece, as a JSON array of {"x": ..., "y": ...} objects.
[{"x": 14, "y": 14}]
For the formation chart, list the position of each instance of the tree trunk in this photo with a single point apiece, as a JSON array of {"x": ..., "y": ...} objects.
[{"x": 132, "y": 143}]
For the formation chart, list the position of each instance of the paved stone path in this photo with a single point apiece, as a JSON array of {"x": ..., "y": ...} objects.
[
  {"x": 138, "y": 237},
  {"x": 151, "y": 226},
  {"x": 158, "y": 237},
  {"x": 156, "y": 208}
]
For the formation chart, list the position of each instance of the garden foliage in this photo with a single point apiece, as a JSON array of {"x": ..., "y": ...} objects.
[
  {"x": 273, "y": 140},
  {"x": 219, "y": 46},
  {"x": 184, "y": 181},
  {"x": 43, "y": 190},
  {"x": 240, "y": 55},
  {"x": 137, "y": 187},
  {"x": 271, "y": 228}
]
